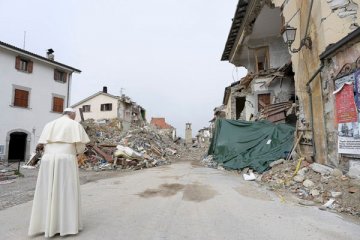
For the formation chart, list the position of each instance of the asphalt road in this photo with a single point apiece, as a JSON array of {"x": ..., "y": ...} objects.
[{"x": 187, "y": 201}]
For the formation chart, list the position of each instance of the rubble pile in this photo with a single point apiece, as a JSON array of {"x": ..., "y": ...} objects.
[
  {"x": 208, "y": 161},
  {"x": 104, "y": 133},
  {"x": 311, "y": 183},
  {"x": 140, "y": 147},
  {"x": 315, "y": 184}
]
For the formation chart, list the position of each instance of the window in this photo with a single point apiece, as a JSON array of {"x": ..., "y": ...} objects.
[
  {"x": 86, "y": 108},
  {"x": 60, "y": 76},
  {"x": 58, "y": 104},
  {"x": 261, "y": 58},
  {"x": 106, "y": 107},
  {"x": 23, "y": 64},
  {"x": 21, "y": 98}
]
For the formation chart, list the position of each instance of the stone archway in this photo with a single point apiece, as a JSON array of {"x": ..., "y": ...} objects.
[{"x": 18, "y": 145}]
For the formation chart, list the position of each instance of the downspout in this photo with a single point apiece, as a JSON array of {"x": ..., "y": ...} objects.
[
  {"x": 308, "y": 19},
  {"x": 308, "y": 89},
  {"x": 68, "y": 91}
]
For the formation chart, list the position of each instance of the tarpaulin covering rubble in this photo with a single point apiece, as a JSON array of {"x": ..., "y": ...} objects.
[{"x": 239, "y": 144}]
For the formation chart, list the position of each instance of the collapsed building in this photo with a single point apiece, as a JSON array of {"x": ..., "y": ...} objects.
[
  {"x": 203, "y": 136},
  {"x": 267, "y": 91},
  {"x": 161, "y": 124},
  {"x": 103, "y": 106},
  {"x": 299, "y": 72},
  {"x": 310, "y": 79}
]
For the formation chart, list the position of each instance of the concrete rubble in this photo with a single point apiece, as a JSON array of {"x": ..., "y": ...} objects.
[
  {"x": 113, "y": 149},
  {"x": 312, "y": 184},
  {"x": 138, "y": 148},
  {"x": 315, "y": 184}
]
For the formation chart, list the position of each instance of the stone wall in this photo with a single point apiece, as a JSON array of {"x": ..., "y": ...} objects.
[{"x": 329, "y": 74}]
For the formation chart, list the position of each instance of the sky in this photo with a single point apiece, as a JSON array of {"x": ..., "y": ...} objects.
[{"x": 164, "y": 54}]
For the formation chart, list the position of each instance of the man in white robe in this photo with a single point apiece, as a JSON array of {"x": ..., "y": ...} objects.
[{"x": 56, "y": 206}]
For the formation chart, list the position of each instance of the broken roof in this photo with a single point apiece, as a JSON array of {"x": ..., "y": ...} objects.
[
  {"x": 272, "y": 74},
  {"x": 38, "y": 57},
  {"x": 160, "y": 123},
  {"x": 235, "y": 28}
]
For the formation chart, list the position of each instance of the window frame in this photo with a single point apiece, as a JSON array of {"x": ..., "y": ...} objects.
[
  {"x": 21, "y": 88},
  {"x": 103, "y": 107},
  {"x": 84, "y": 108},
  {"x": 60, "y": 76},
  {"x": 266, "y": 63},
  {"x": 24, "y": 64},
  {"x": 53, "y": 106}
]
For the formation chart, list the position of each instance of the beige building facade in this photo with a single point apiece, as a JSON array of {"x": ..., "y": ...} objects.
[{"x": 319, "y": 25}]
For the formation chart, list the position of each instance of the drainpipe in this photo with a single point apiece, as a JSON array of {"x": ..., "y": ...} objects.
[
  {"x": 68, "y": 90},
  {"x": 309, "y": 91}
]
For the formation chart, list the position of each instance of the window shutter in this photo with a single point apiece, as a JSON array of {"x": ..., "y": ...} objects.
[
  {"x": 30, "y": 67},
  {"x": 65, "y": 77},
  {"x": 56, "y": 75},
  {"x": 17, "y": 63},
  {"x": 21, "y": 98},
  {"x": 58, "y": 104},
  {"x": 25, "y": 98}
]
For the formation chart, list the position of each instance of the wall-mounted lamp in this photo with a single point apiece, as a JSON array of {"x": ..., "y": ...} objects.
[{"x": 289, "y": 34}]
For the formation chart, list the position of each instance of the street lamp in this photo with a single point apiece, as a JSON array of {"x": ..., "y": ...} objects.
[{"x": 289, "y": 34}]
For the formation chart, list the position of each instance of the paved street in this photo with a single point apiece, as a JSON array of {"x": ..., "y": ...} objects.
[{"x": 187, "y": 201}]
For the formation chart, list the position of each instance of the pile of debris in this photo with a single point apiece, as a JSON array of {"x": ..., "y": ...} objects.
[
  {"x": 104, "y": 133},
  {"x": 111, "y": 149},
  {"x": 315, "y": 184},
  {"x": 277, "y": 112},
  {"x": 209, "y": 161},
  {"x": 140, "y": 147},
  {"x": 312, "y": 183}
]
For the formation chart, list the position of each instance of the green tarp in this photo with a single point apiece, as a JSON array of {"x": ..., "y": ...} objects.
[{"x": 238, "y": 144}]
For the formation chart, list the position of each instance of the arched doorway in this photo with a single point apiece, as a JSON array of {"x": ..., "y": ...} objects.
[{"x": 17, "y": 146}]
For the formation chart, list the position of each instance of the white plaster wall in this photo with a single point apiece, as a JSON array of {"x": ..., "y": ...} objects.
[
  {"x": 278, "y": 52},
  {"x": 95, "y": 112},
  {"x": 287, "y": 86},
  {"x": 250, "y": 106},
  {"x": 228, "y": 109},
  {"x": 41, "y": 84},
  {"x": 277, "y": 90}
]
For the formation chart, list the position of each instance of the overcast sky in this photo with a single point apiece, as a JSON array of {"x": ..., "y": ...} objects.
[{"x": 164, "y": 53}]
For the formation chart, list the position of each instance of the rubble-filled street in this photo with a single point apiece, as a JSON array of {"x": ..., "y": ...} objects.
[
  {"x": 185, "y": 200},
  {"x": 143, "y": 147},
  {"x": 143, "y": 120}
]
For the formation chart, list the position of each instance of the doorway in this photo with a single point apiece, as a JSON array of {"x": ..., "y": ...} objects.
[
  {"x": 240, "y": 104},
  {"x": 17, "y": 146}
]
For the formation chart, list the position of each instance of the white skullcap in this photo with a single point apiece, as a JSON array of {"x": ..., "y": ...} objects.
[{"x": 69, "y": 110}]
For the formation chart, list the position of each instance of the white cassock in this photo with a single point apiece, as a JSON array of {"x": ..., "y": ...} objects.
[{"x": 56, "y": 207}]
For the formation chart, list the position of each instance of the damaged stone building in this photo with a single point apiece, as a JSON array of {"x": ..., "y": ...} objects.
[
  {"x": 163, "y": 127},
  {"x": 301, "y": 51},
  {"x": 103, "y": 106},
  {"x": 267, "y": 91},
  {"x": 323, "y": 40}
]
